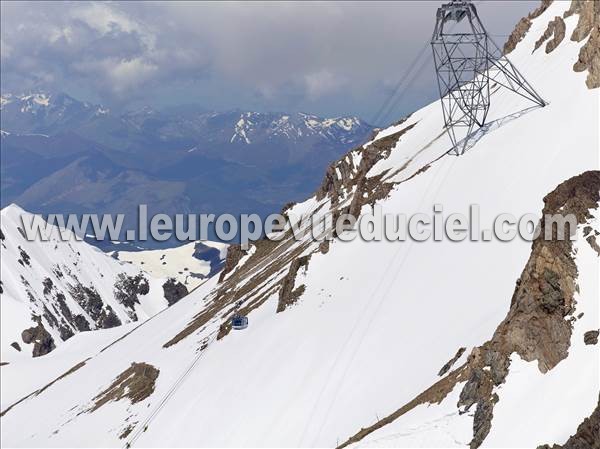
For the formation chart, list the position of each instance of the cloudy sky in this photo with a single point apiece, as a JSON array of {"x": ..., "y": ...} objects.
[{"x": 328, "y": 58}]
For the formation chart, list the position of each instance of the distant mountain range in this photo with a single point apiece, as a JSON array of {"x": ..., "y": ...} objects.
[{"x": 62, "y": 155}]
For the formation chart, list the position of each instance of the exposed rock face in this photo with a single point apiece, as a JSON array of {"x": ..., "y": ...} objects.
[
  {"x": 555, "y": 32},
  {"x": 345, "y": 175},
  {"x": 536, "y": 326},
  {"x": 345, "y": 179},
  {"x": 591, "y": 337},
  {"x": 324, "y": 247},
  {"x": 517, "y": 35},
  {"x": 546, "y": 287},
  {"x": 588, "y": 12},
  {"x": 371, "y": 189},
  {"x": 523, "y": 26},
  {"x": 589, "y": 59},
  {"x": 24, "y": 259},
  {"x": 42, "y": 341},
  {"x": 287, "y": 206},
  {"x": 587, "y": 25},
  {"x": 127, "y": 289},
  {"x": 174, "y": 291},
  {"x": 234, "y": 254},
  {"x": 452, "y": 361},
  {"x": 126, "y": 431},
  {"x": 48, "y": 284},
  {"x": 135, "y": 383},
  {"x": 287, "y": 294},
  {"x": 590, "y": 237},
  {"x": 89, "y": 299}
]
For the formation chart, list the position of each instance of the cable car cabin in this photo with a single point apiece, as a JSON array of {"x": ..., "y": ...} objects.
[{"x": 239, "y": 322}]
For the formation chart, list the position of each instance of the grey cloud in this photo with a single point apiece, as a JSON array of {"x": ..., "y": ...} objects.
[{"x": 328, "y": 57}]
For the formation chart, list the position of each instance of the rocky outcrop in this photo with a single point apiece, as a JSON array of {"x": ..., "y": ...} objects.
[
  {"x": 346, "y": 175},
  {"x": 588, "y": 12},
  {"x": 588, "y": 24},
  {"x": 451, "y": 362},
  {"x": 591, "y": 236},
  {"x": 173, "y": 291},
  {"x": 136, "y": 383},
  {"x": 89, "y": 299},
  {"x": 24, "y": 260},
  {"x": 127, "y": 289},
  {"x": 246, "y": 287},
  {"x": 555, "y": 32},
  {"x": 234, "y": 255},
  {"x": 42, "y": 341},
  {"x": 591, "y": 337},
  {"x": 589, "y": 59},
  {"x": 517, "y": 35},
  {"x": 537, "y": 326},
  {"x": 287, "y": 206},
  {"x": 288, "y": 295},
  {"x": 523, "y": 26}
]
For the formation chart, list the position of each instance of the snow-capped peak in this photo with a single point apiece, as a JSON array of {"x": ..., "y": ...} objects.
[
  {"x": 243, "y": 124},
  {"x": 5, "y": 99},
  {"x": 39, "y": 98},
  {"x": 295, "y": 126}
]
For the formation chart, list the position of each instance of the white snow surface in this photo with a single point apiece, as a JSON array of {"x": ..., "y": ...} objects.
[
  {"x": 29, "y": 374},
  {"x": 377, "y": 320},
  {"x": 178, "y": 262}
]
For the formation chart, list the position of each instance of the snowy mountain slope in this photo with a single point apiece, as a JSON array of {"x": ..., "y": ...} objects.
[
  {"x": 544, "y": 389},
  {"x": 54, "y": 289},
  {"x": 191, "y": 264},
  {"x": 21, "y": 377},
  {"x": 363, "y": 327}
]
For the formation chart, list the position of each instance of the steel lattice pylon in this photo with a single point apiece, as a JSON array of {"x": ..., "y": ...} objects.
[{"x": 468, "y": 65}]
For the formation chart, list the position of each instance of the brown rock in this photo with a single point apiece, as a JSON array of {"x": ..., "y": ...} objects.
[
  {"x": 173, "y": 291},
  {"x": 43, "y": 343},
  {"x": 523, "y": 26},
  {"x": 556, "y": 31},
  {"x": 135, "y": 383},
  {"x": 234, "y": 254},
  {"x": 591, "y": 337},
  {"x": 588, "y": 12},
  {"x": 589, "y": 59},
  {"x": 451, "y": 362},
  {"x": 287, "y": 294}
]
